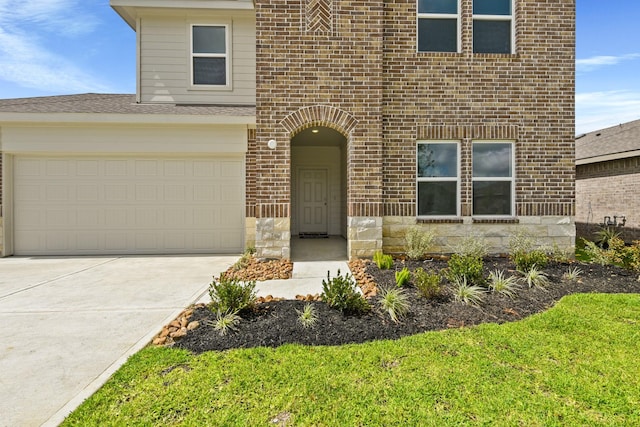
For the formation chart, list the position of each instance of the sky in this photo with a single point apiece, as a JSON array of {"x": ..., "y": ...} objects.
[{"x": 59, "y": 47}]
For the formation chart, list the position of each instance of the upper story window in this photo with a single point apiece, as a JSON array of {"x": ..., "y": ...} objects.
[
  {"x": 438, "y": 176},
  {"x": 493, "y": 26},
  {"x": 210, "y": 55},
  {"x": 438, "y": 26},
  {"x": 493, "y": 178}
]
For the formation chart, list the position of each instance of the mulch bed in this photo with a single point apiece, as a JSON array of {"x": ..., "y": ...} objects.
[{"x": 275, "y": 323}]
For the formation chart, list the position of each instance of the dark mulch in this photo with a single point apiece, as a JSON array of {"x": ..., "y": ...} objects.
[{"x": 276, "y": 323}]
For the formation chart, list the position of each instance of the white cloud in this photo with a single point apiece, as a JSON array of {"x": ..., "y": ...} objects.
[
  {"x": 599, "y": 110},
  {"x": 593, "y": 63},
  {"x": 25, "y": 26}
]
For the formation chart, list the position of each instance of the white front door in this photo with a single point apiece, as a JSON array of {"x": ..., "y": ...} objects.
[{"x": 313, "y": 200}]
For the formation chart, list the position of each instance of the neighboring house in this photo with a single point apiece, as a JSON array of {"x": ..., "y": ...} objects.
[
  {"x": 608, "y": 181},
  {"x": 256, "y": 121}
]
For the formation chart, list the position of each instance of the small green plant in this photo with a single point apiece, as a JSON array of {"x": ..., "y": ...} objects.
[
  {"x": 384, "y": 262},
  {"x": 473, "y": 246},
  {"x": 467, "y": 267},
  {"x": 535, "y": 278},
  {"x": 605, "y": 235},
  {"x": 418, "y": 242},
  {"x": 572, "y": 274},
  {"x": 395, "y": 302},
  {"x": 502, "y": 284},
  {"x": 525, "y": 261},
  {"x": 342, "y": 293},
  {"x": 243, "y": 262},
  {"x": 307, "y": 317},
  {"x": 230, "y": 295},
  {"x": 403, "y": 277},
  {"x": 467, "y": 294},
  {"x": 595, "y": 253},
  {"x": 428, "y": 284},
  {"x": 226, "y": 322}
]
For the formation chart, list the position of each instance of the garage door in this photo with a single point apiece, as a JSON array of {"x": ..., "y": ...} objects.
[{"x": 99, "y": 205}]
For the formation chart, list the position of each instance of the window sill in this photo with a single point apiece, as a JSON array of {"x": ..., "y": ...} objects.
[
  {"x": 495, "y": 220},
  {"x": 439, "y": 220}
]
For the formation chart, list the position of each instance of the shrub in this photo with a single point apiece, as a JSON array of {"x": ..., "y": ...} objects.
[
  {"x": 605, "y": 235},
  {"x": 384, "y": 262},
  {"x": 402, "y": 277},
  {"x": 342, "y": 293},
  {"x": 427, "y": 284},
  {"x": 526, "y": 260},
  {"x": 473, "y": 246},
  {"x": 536, "y": 278},
  {"x": 418, "y": 242},
  {"x": 230, "y": 295},
  {"x": 394, "y": 301},
  {"x": 595, "y": 253},
  {"x": 307, "y": 317},
  {"x": 521, "y": 241},
  {"x": 226, "y": 322},
  {"x": 465, "y": 267},
  {"x": 501, "y": 284},
  {"x": 467, "y": 294}
]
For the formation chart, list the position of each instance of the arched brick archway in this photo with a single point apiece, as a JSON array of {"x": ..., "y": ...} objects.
[{"x": 319, "y": 115}]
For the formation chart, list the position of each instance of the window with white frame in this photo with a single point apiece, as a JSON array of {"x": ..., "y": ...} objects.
[
  {"x": 438, "y": 178},
  {"x": 438, "y": 26},
  {"x": 210, "y": 55},
  {"x": 493, "y": 178},
  {"x": 493, "y": 26}
]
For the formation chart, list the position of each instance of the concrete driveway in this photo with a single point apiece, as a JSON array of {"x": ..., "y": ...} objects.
[{"x": 69, "y": 323}]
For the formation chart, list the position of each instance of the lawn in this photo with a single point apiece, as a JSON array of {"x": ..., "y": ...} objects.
[{"x": 576, "y": 364}]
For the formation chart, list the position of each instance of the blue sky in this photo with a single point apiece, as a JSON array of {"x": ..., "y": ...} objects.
[{"x": 53, "y": 47}]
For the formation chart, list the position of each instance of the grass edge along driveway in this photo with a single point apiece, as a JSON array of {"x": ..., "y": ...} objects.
[{"x": 576, "y": 364}]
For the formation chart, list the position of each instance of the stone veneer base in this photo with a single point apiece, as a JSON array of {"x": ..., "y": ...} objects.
[{"x": 551, "y": 232}]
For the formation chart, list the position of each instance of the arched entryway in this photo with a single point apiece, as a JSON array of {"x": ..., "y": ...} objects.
[{"x": 319, "y": 194}]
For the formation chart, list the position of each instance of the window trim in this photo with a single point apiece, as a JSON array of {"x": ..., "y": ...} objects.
[
  {"x": 226, "y": 55},
  {"x": 511, "y": 18},
  {"x": 457, "y": 179},
  {"x": 511, "y": 179},
  {"x": 457, "y": 17}
]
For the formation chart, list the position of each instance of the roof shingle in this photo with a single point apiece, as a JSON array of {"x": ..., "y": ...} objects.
[{"x": 615, "y": 140}]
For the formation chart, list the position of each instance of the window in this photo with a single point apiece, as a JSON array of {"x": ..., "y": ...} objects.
[
  {"x": 209, "y": 55},
  {"x": 493, "y": 178},
  {"x": 438, "y": 22},
  {"x": 493, "y": 26},
  {"x": 438, "y": 171}
]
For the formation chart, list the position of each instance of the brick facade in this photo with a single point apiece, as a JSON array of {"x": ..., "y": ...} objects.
[
  {"x": 608, "y": 188},
  {"x": 353, "y": 66}
]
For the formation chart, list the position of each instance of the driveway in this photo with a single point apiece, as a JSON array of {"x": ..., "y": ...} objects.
[{"x": 69, "y": 323}]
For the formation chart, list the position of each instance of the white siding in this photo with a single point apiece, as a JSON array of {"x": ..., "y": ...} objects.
[{"x": 165, "y": 58}]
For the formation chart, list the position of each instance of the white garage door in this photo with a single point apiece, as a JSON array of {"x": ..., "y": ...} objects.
[{"x": 100, "y": 205}]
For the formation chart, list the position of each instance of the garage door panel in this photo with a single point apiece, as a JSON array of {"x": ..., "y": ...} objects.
[{"x": 118, "y": 206}]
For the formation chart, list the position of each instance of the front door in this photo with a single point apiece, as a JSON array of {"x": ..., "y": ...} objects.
[{"x": 313, "y": 201}]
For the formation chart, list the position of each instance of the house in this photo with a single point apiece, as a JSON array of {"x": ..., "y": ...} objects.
[
  {"x": 608, "y": 181},
  {"x": 256, "y": 121}
]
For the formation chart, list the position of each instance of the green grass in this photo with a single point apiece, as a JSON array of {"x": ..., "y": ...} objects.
[{"x": 574, "y": 365}]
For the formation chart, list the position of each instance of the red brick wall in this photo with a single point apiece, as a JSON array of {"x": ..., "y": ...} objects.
[
  {"x": 362, "y": 62},
  {"x": 301, "y": 65},
  {"x": 527, "y": 97}
]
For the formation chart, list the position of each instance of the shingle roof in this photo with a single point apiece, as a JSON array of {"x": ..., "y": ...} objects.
[
  {"x": 614, "y": 141},
  {"x": 93, "y": 103}
]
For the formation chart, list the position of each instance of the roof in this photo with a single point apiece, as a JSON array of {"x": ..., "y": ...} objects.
[
  {"x": 616, "y": 142},
  {"x": 93, "y": 103}
]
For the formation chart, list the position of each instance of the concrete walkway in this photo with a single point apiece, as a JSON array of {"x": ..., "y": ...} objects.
[{"x": 69, "y": 323}]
